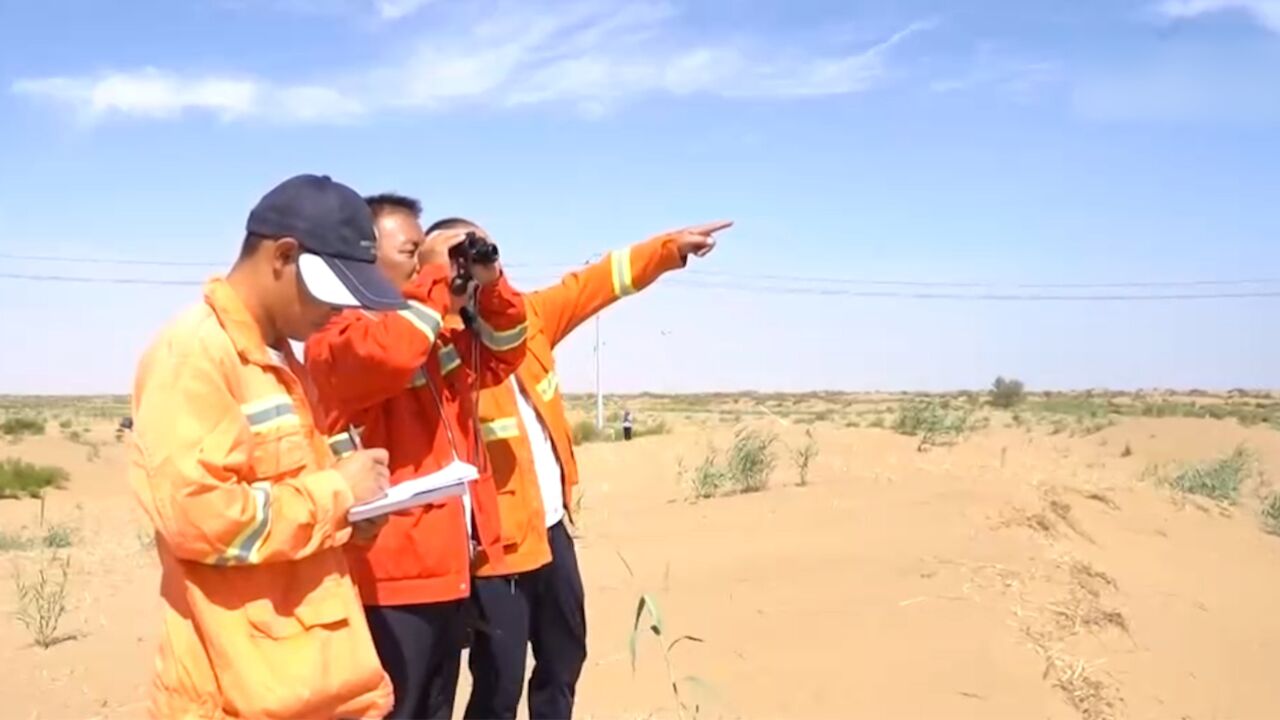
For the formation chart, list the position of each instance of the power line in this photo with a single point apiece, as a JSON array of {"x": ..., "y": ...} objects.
[
  {"x": 178, "y": 263},
  {"x": 109, "y": 261},
  {"x": 1023, "y": 286},
  {"x": 111, "y": 281},
  {"x": 843, "y": 281},
  {"x": 779, "y": 290},
  {"x": 1028, "y": 297}
]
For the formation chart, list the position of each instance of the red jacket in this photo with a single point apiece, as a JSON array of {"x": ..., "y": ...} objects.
[{"x": 387, "y": 376}]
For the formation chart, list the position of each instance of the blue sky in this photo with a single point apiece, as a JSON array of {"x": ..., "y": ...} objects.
[{"x": 1002, "y": 143}]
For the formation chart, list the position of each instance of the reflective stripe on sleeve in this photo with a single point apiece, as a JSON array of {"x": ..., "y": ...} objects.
[
  {"x": 548, "y": 386},
  {"x": 269, "y": 412},
  {"x": 501, "y": 340},
  {"x": 424, "y": 318},
  {"x": 244, "y": 550},
  {"x": 449, "y": 359},
  {"x": 620, "y": 265}
]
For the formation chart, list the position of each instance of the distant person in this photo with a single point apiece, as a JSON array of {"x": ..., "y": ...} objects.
[
  {"x": 538, "y": 598},
  {"x": 261, "y": 618},
  {"x": 626, "y": 425},
  {"x": 407, "y": 381},
  {"x": 126, "y": 424}
]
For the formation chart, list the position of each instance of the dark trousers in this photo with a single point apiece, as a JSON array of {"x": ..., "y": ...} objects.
[
  {"x": 420, "y": 647},
  {"x": 626, "y": 432},
  {"x": 543, "y": 608}
]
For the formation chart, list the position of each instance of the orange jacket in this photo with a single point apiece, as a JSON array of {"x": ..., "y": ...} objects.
[
  {"x": 553, "y": 313},
  {"x": 387, "y": 376},
  {"x": 261, "y": 619}
]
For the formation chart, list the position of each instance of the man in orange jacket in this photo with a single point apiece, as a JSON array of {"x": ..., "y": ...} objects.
[
  {"x": 538, "y": 598},
  {"x": 261, "y": 619},
  {"x": 404, "y": 381}
]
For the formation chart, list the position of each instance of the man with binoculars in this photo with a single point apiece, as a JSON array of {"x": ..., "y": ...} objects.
[{"x": 406, "y": 381}]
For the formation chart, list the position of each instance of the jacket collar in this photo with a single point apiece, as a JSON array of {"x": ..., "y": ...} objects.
[{"x": 235, "y": 319}]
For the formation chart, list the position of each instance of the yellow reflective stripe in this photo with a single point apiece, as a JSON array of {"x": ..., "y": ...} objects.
[
  {"x": 419, "y": 379},
  {"x": 547, "y": 387},
  {"x": 620, "y": 266},
  {"x": 500, "y": 429},
  {"x": 270, "y": 412},
  {"x": 449, "y": 359},
  {"x": 245, "y": 549},
  {"x": 501, "y": 340},
  {"x": 424, "y": 318}
]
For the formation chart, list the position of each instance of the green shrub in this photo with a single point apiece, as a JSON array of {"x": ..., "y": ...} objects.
[
  {"x": 15, "y": 541},
  {"x": 657, "y": 427},
  {"x": 22, "y": 425},
  {"x": 804, "y": 456},
  {"x": 747, "y": 467},
  {"x": 42, "y": 600},
  {"x": 20, "y": 479},
  {"x": 751, "y": 460},
  {"x": 708, "y": 479},
  {"x": 1219, "y": 479},
  {"x": 1005, "y": 393},
  {"x": 585, "y": 431},
  {"x": 58, "y": 537},
  {"x": 65, "y": 423},
  {"x": 932, "y": 423},
  {"x": 1271, "y": 514}
]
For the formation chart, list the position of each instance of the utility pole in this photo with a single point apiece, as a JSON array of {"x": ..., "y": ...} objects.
[
  {"x": 599, "y": 391},
  {"x": 599, "y": 387}
]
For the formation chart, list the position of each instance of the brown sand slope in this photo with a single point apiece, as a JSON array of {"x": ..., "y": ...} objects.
[{"x": 1016, "y": 575}]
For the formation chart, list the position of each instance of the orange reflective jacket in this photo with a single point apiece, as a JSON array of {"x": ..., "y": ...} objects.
[
  {"x": 553, "y": 314},
  {"x": 261, "y": 619},
  {"x": 386, "y": 376}
]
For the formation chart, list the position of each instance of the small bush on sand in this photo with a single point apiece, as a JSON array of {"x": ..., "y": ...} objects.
[
  {"x": 804, "y": 456},
  {"x": 751, "y": 460},
  {"x": 933, "y": 424},
  {"x": 11, "y": 541},
  {"x": 707, "y": 480},
  {"x": 58, "y": 537},
  {"x": 585, "y": 431},
  {"x": 747, "y": 467},
  {"x": 42, "y": 599},
  {"x": 19, "y": 479},
  {"x": 18, "y": 426},
  {"x": 1271, "y": 513},
  {"x": 1007, "y": 392},
  {"x": 1218, "y": 479}
]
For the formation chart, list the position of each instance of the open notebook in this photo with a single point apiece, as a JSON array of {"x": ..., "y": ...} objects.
[{"x": 448, "y": 481}]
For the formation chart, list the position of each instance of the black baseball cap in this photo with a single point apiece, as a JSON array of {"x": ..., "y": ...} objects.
[{"x": 334, "y": 226}]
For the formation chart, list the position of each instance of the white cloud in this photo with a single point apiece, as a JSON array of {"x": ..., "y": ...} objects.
[
  {"x": 396, "y": 9},
  {"x": 591, "y": 55},
  {"x": 1264, "y": 12},
  {"x": 1009, "y": 75},
  {"x": 157, "y": 94}
]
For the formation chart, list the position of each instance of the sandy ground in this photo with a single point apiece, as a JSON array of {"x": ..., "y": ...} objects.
[{"x": 1015, "y": 575}]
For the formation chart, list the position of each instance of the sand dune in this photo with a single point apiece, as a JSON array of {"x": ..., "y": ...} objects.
[{"x": 1014, "y": 575}]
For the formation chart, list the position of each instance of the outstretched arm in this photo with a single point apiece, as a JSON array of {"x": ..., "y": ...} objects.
[{"x": 583, "y": 293}]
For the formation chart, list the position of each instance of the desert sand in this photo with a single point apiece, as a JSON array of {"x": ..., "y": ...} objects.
[{"x": 1019, "y": 573}]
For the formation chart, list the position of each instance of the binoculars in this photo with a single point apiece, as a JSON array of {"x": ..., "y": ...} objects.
[{"x": 473, "y": 250}]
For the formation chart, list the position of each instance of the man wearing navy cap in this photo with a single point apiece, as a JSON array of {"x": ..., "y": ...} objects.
[{"x": 261, "y": 619}]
